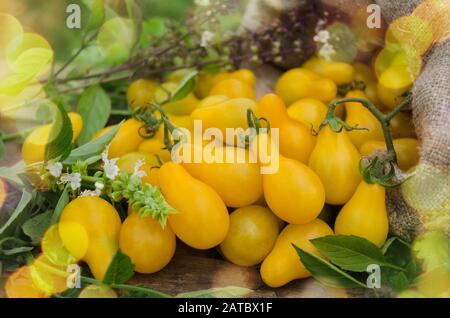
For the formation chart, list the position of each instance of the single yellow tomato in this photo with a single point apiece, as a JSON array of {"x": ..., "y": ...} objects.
[
  {"x": 283, "y": 265},
  {"x": 365, "y": 214},
  {"x": 339, "y": 72},
  {"x": 33, "y": 148},
  {"x": 89, "y": 228},
  {"x": 252, "y": 235},
  {"x": 336, "y": 161},
  {"x": 294, "y": 192},
  {"x": 149, "y": 246},
  {"x": 201, "y": 219},
  {"x": 300, "y": 83}
]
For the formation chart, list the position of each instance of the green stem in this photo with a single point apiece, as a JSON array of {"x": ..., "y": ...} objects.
[
  {"x": 383, "y": 119},
  {"x": 140, "y": 289},
  {"x": 121, "y": 112},
  {"x": 90, "y": 179},
  {"x": 399, "y": 108}
]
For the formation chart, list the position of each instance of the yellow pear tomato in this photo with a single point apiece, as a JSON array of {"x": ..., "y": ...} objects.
[
  {"x": 365, "y": 214},
  {"x": 336, "y": 161},
  {"x": 283, "y": 265},
  {"x": 300, "y": 83},
  {"x": 201, "y": 219}
]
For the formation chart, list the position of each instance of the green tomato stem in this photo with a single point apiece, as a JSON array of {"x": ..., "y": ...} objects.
[
  {"x": 141, "y": 289},
  {"x": 383, "y": 119}
]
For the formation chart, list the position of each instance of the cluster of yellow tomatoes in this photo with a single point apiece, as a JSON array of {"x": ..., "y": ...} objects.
[{"x": 252, "y": 218}]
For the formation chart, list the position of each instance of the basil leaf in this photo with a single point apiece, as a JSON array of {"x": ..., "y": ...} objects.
[
  {"x": 94, "y": 107},
  {"x": 350, "y": 252},
  {"x": 35, "y": 227},
  {"x": 20, "y": 212},
  {"x": 92, "y": 148},
  {"x": 326, "y": 272},
  {"x": 60, "y": 137},
  {"x": 392, "y": 242},
  {"x": 11, "y": 246},
  {"x": 62, "y": 202},
  {"x": 97, "y": 16},
  {"x": 12, "y": 173},
  {"x": 224, "y": 292},
  {"x": 120, "y": 270},
  {"x": 186, "y": 86}
]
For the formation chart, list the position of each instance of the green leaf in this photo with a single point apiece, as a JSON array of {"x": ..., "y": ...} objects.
[
  {"x": 94, "y": 107},
  {"x": 115, "y": 40},
  {"x": 97, "y": 16},
  {"x": 326, "y": 272},
  {"x": 120, "y": 270},
  {"x": 224, "y": 292},
  {"x": 11, "y": 173},
  {"x": 60, "y": 137},
  {"x": 391, "y": 242},
  {"x": 35, "y": 227},
  {"x": 92, "y": 148},
  {"x": 350, "y": 252},
  {"x": 186, "y": 86},
  {"x": 153, "y": 27},
  {"x": 62, "y": 202},
  {"x": 398, "y": 281},
  {"x": 19, "y": 213},
  {"x": 10, "y": 246}
]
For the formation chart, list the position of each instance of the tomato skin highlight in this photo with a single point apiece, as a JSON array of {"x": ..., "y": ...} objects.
[
  {"x": 201, "y": 219},
  {"x": 336, "y": 161},
  {"x": 283, "y": 265},
  {"x": 365, "y": 215}
]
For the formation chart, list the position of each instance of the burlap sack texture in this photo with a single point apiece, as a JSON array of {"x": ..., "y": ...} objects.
[{"x": 425, "y": 197}]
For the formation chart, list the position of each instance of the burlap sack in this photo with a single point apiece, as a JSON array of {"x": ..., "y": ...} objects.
[{"x": 423, "y": 201}]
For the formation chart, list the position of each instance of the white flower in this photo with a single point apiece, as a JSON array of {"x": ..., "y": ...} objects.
[
  {"x": 137, "y": 172},
  {"x": 55, "y": 168},
  {"x": 322, "y": 36},
  {"x": 73, "y": 178},
  {"x": 207, "y": 38},
  {"x": 203, "y": 3},
  {"x": 99, "y": 185},
  {"x": 90, "y": 193},
  {"x": 327, "y": 51},
  {"x": 109, "y": 165}
]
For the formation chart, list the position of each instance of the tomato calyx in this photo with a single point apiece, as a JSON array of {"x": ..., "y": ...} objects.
[
  {"x": 379, "y": 169},
  {"x": 256, "y": 126}
]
